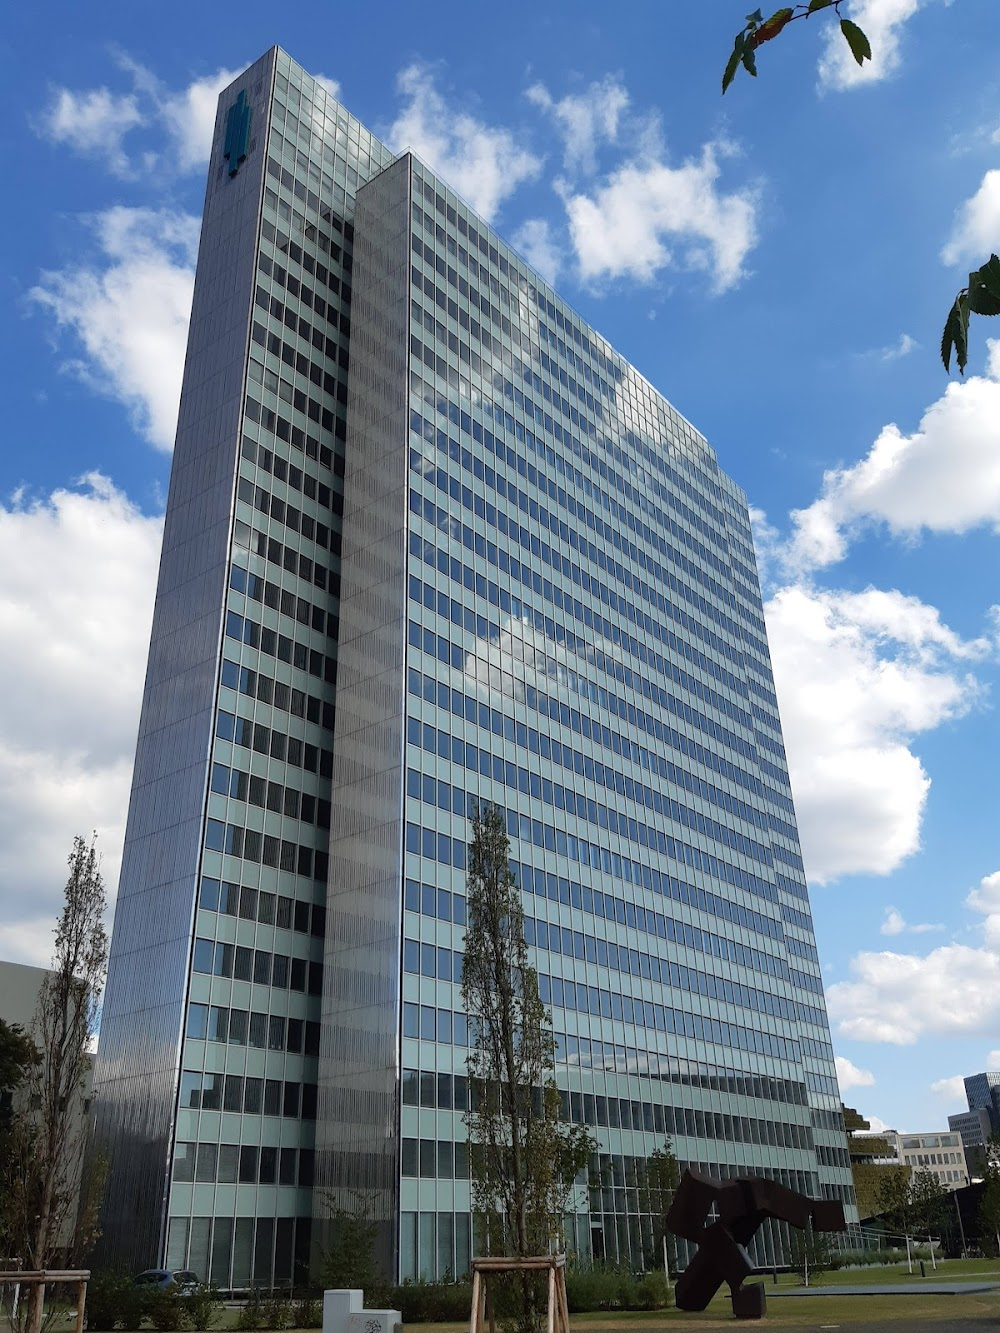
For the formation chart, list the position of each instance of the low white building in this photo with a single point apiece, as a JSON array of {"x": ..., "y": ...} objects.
[{"x": 941, "y": 1152}]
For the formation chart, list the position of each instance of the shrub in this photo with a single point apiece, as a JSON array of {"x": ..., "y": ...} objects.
[
  {"x": 651, "y": 1292},
  {"x": 107, "y": 1295},
  {"x": 166, "y": 1310},
  {"x": 274, "y": 1312},
  {"x": 203, "y": 1306},
  {"x": 251, "y": 1313},
  {"x": 431, "y": 1302},
  {"x": 307, "y": 1313}
]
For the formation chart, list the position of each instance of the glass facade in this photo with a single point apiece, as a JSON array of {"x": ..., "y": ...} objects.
[{"x": 489, "y": 563}]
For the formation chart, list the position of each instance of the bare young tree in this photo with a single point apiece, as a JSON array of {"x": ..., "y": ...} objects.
[
  {"x": 45, "y": 1173},
  {"x": 524, "y": 1157}
]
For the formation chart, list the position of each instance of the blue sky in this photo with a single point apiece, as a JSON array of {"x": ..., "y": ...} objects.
[{"x": 778, "y": 263}]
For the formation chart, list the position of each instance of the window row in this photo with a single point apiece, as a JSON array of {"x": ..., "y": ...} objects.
[
  {"x": 450, "y": 1092},
  {"x": 293, "y": 561},
  {"x": 239, "y": 785},
  {"x": 284, "y": 601},
  {"x": 715, "y": 551},
  {"x": 512, "y": 299},
  {"x": 517, "y": 612},
  {"x": 266, "y": 740},
  {"x": 272, "y": 644},
  {"x": 561, "y": 993},
  {"x": 586, "y": 765},
  {"x": 555, "y": 839},
  {"x": 265, "y": 849},
  {"x": 541, "y": 742},
  {"x": 274, "y": 423},
  {"x": 796, "y": 918},
  {"x": 242, "y": 1164},
  {"x": 276, "y": 694},
  {"x": 250, "y": 1096},
  {"x": 448, "y": 1160},
  {"x": 297, "y": 286},
  {"x": 443, "y": 964},
  {"x": 291, "y": 517},
  {"x": 446, "y": 906},
  {"x": 430, "y": 1160},
  {"x": 320, "y": 239},
  {"x": 283, "y": 313},
  {"x": 268, "y": 908},
  {"x": 637, "y": 500},
  {"x": 300, "y": 291},
  {"x": 580, "y": 762},
  {"x": 582, "y": 613},
  {"x": 555, "y": 795},
  {"x": 282, "y": 510},
  {"x": 574, "y": 534},
  {"x": 263, "y": 968},
  {"x": 291, "y": 434},
  {"x": 264, "y": 1032}
]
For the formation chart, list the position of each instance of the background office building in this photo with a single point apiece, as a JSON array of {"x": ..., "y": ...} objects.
[{"x": 431, "y": 541}]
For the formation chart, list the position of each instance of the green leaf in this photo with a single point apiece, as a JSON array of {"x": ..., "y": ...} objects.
[
  {"x": 983, "y": 299},
  {"x": 956, "y": 334},
  {"x": 755, "y": 17},
  {"x": 749, "y": 61},
  {"x": 779, "y": 18},
  {"x": 989, "y": 275},
  {"x": 731, "y": 68},
  {"x": 814, "y": 5},
  {"x": 861, "y": 48}
]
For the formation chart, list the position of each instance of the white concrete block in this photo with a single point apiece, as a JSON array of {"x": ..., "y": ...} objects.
[{"x": 344, "y": 1312}]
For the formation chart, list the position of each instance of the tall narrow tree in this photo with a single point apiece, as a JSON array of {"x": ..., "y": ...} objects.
[
  {"x": 525, "y": 1158},
  {"x": 46, "y": 1170}
]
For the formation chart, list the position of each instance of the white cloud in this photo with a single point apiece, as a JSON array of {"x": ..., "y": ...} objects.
[
  {"x": 993, "y": 1060},
  {"x": 648, "y": 216},
  {"x": 129, "y": 311},
  {"x": 897, "y": 350},
  {"x": 878, "y": 1125},
  {"x": 75, "y": 608},
  {"x": 485, "y": 165},
  {"x": 976, "y": 233},
  {"x": 93, "y": 123},
  {"x": 332, "y": 86},
  {"x": 895, "y": 924},
  {"x": 898, "y": 998},
  {"x": 882, "y": 22},
  {"x": 985, "y": 898},
  {"x": 945, "y": 477},
  {"x": 97, "y": 122},
  {"x": 850, "y": 1076},
  {"x": 953, "y": 990},
  {"x": 858, "y": 675},
  {"x": 585, "y": 120},
  {"x": 534, "y": 240},
  {"x": 951, "y": 1088},
  {"x": 189, "y": 116}
]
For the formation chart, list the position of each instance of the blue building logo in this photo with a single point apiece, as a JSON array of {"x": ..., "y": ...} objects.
[{"x": 237, "y": 133}]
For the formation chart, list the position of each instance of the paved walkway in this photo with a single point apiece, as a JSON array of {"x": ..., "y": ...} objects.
[{"x": 918, "y": 1287}]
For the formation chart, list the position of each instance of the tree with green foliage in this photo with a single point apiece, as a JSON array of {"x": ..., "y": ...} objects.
[
  {"x": 894, "y": 1200},
  {"x": 47, "y": 1199},
  {"x": 17, "y": 1055},
  {"x": 659, "y": 1177},
  {"x": 928, "y": 1204},
  {"x": 982, "y": 294},
  {"x": 524, "y": 1157},
  {"x": 348, "y": 1262},
  {"x": 989, "y": 1204}
]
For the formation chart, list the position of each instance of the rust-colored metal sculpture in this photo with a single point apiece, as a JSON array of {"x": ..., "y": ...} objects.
[{"x": 741, "y": 1205}]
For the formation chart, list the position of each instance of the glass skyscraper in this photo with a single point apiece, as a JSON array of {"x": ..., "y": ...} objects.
[{"x": 430, "y": 541}]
